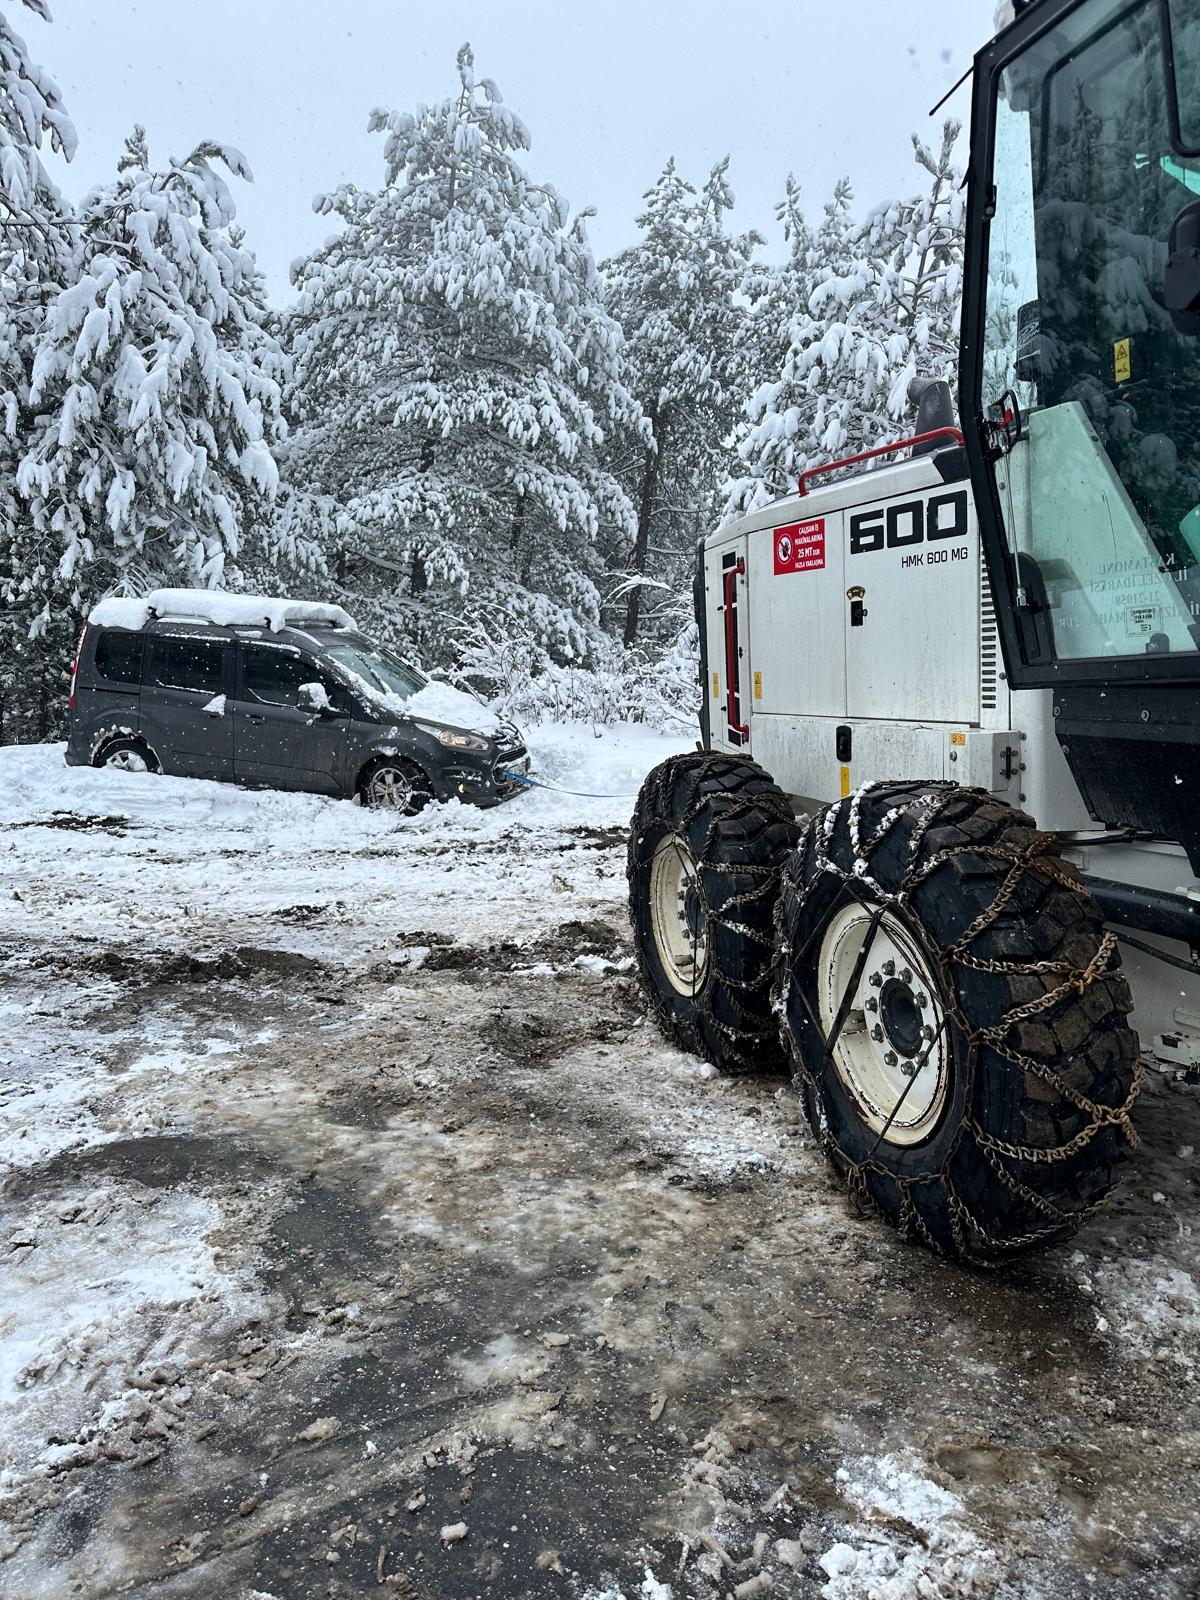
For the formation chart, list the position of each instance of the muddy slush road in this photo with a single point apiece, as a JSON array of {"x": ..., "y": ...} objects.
[{"x": 504, "y": 1296}]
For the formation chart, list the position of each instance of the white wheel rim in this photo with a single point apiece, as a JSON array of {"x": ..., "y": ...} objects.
[
  {"x": 390, "y": 787},
  {"x": 893, "y": 1053},
  {"x": 127, "y": 761},
  {"x": 677, "y": 915}
]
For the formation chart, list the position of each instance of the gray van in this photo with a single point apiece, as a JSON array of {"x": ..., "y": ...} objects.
[{"x": 280, "y": 693}]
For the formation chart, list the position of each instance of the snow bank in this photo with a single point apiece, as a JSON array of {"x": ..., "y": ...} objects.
[
  {"x": 214, "y": 605},
  {"x": 183, "y": 861}
]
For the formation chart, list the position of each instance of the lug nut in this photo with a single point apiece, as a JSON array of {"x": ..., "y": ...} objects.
[
  {"x": 927, "y": 1032},
  {"x": 876, "y": 981},
  {"x": 877, "y": 1032},
  {"x": 906, "y": 974},
  {"x": 872, "y": 1003},
  {"x": 909, "y": 1068},
  {"x": 891, "y": 1058},
  {"x": 922, "y": 1001},
  {"x": 890, "y": 968}
]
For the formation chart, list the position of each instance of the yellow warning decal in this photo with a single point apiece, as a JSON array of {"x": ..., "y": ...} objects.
[
  {"x": 1123, "y": 360},
  {"x": 758, "y": 685},
  {"x": 845, "y": 782},
  {"x": 716, "y": 685},
  {"x": 958, "y": 738}
]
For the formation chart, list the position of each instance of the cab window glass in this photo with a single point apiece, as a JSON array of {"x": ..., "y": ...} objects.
[
  {"x": 119, "y": 657},
  {"x": 1101, "y": 491},
  {"x": 194, "y": 664}
]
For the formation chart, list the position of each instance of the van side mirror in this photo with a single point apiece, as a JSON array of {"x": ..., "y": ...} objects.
[{"x": 312, "y": 697}]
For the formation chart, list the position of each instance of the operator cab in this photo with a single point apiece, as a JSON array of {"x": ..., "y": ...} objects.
[{"x": 1081, "y": 364}]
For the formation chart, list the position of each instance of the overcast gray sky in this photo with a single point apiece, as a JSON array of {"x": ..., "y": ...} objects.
[{"x": 608, "y": 91}]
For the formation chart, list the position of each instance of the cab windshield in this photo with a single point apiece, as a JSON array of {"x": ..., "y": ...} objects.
[{"x": 1092, "y": 346}]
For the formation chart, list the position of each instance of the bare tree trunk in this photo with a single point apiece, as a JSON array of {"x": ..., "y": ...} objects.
[
  {"x": 651, "y": 473},
  {"x": 43, "y": 711},
  {"x": 418, "y": 580}
]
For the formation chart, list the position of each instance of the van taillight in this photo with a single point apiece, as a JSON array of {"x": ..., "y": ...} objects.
[{"x": 75, "y": 667}]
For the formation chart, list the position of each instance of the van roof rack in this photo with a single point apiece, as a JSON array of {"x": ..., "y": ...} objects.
[{"x": 222, "y": 609}]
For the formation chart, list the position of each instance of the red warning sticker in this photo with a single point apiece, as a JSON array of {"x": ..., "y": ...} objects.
[{"x": 800, "y": 547}]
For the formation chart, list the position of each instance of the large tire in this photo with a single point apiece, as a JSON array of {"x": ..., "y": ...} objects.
[
  {"x": 979, "y": 1091},
  {"x": 709, "y": 837}
]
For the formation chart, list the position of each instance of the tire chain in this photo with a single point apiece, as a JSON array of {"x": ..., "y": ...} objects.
[
  {"x": 732, "y": 807},
  {"x": 926, "y": 808}
]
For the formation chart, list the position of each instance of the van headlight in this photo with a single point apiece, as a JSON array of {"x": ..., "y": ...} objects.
[{"x": 455, "y": 740}]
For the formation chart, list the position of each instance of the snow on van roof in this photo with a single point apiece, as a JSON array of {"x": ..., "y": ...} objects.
[{"x": 213, "y": 605}]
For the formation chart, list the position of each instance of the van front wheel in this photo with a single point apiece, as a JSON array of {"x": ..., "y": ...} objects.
[{"x": 391, "y": 783}]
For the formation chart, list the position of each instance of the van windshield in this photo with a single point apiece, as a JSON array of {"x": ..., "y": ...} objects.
[{"x": 378, "y": 668}]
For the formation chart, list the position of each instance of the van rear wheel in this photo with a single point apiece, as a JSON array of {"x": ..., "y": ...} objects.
[
  {"x": 956, "y": 1017},
  {"x": 127, "y": 754}
]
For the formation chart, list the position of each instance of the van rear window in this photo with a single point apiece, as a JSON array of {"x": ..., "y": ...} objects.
[
  {"x": 197, "y": 664},
  {"x": 119, "y": 657}
]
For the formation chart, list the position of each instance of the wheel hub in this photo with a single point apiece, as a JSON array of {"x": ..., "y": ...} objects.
[
  {"x": 900, "y": 1014},
  {"x": 128, "y": 761},
  {"x": 678, "y": 915},
  {"x": 391, "y": 787},
  {"x": 892, "y": 1053}
]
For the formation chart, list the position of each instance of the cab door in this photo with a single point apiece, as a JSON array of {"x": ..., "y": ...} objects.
[{"x": 726, "y": 608}]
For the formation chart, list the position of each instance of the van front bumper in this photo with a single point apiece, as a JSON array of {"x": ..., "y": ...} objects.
[{"x": 481, "y": 787}]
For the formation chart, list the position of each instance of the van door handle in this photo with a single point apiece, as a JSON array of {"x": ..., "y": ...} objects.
[{"x": 252, "y": 716}]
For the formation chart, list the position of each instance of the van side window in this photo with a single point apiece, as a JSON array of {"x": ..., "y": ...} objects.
[
  {"x": 197, "y": 664},
  {"x": 119, "y": 657},
  {"x": 274, "y": 676}
]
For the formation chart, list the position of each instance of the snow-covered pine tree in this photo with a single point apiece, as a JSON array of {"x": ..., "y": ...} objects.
[
  {"x": 34, "y": 249},
  {"x": 678, "y": 293},
  {"x": 916, "y": 247},
  {"x": 775, "y": 437},
  {"x": 884, "y": 309},
  {"x": 155, "y": 390},
  {"x": 778, "y": 292},
  {"x": 456, "y": 372}
]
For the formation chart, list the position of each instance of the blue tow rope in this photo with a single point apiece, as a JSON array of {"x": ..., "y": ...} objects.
[{"x": 527, "y": 782}]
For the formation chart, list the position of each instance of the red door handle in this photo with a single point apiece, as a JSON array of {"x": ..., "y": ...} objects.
[{"x": 731, "y": 672}]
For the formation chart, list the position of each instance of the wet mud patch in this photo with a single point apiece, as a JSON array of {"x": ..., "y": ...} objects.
[
  {"x": 155, "y": 1162},
  {"x": 71, "y": 822},
  {"x": 160, "y": 969},
  {"x": 599, "y": 838},
  {"x": 303, "y": 915},
  {"x": 438, "y": 952},
  {"x": 532, "y": 1038}
]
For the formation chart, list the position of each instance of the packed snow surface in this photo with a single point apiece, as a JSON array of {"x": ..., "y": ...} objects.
[{"x": 213, "y": 605}]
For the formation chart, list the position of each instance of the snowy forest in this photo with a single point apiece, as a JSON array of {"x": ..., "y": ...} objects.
[{"x": 495, "y": 451}]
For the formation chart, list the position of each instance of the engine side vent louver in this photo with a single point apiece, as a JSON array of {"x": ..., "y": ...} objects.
[{"x": 989, "y": 644}]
